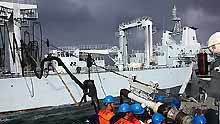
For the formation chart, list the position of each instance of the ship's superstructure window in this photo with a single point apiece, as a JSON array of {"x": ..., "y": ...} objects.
[
  {"x": 82, "y": 56},
  {"x": 71, "y": 53},
  {"x": 58, "y": 54},
  {"x": 62, "y": 54},
  {"x": 159, "y": 54},
  {"x": 101, "y": 58},
  {"x": 67, "y": 54}
]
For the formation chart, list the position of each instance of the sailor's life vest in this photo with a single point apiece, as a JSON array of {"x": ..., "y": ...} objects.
[
  {"x": 105, "y": 116},
  {"x": 123, "y": 121},
  {"x": 134, "y": 120}
]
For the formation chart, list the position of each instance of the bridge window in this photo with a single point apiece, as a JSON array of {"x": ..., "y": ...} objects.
[
  {"x": 67, "y": 54},
  {"x": 71, "y": 53},
  {"x": 58, "y": 54},
  {"x": 62, "y": 54}
]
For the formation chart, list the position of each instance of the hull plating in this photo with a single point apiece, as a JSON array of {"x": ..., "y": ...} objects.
[{"x": 31, "y": 92}]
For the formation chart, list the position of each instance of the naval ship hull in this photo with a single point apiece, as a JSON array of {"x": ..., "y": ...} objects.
[{"x": 32, "y": 93}]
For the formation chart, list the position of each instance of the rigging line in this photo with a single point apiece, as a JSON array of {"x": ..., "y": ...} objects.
[
  {"x": 16, "y": 48},
  {"x": 27, "y": 53},
  {"x": 120, "y": 74},
  {"x": 10, "y": 45},
  {"x": 29, "y": 40},
  {"x": 31, "y": 56},
  {"x": 3, "y": 45},
  {"x": 41, "y": 38},
  {"x": 161, "y": 90},
  {"x": 13, "y": 45},
  {"x": 2, "y": 39},
  {"x": 100, "y": 81},
  {"x": 45, "y": 42},
  {"x": 32, "y": 85},
  {"x": 26, "y": 35},
  {"x": 67, "y": 88}
]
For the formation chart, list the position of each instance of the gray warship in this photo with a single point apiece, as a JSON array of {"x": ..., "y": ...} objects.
[{"x": 36, "y": 86}]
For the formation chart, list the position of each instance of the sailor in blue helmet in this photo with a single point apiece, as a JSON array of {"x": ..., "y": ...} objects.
[
  {"x": 160, "y": 98},
  {"x": 137, "y": 109},
  {"x": 199, "y": 119},
  {"x": 158, "y": 118},
  {"x": 176, "y": 103},
  {"x": 106, "y": 114},
  {"x": 125, "y": 110},
  {"x": 138, "y": 113},
  {"x": 109, "y": 99}
]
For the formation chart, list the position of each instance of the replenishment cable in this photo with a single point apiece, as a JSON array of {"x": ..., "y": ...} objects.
[
  {"x": 103, "y": 90},
  {"x": 161, "y": 90}
]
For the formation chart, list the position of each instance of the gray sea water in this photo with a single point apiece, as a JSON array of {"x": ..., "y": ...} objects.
[{"x": 67, "y": 114}]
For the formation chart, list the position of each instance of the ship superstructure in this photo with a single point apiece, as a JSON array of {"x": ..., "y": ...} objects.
[
  {"x": 166, "y": 67},
  {"x": 13, "y": 18}
]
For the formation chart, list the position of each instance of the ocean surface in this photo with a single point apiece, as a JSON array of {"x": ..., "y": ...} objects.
[
  {"x": 71, "y": 114},
  {"x": 66, "y": 114}
]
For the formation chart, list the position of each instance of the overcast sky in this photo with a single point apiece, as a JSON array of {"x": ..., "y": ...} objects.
[{"x": 69, "y": 22}]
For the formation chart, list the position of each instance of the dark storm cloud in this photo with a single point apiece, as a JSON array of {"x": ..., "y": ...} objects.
[
  {"x": 211, "y": 7},
  {"x": 67, "y": 22},
  {"x": 202, "y": 14},
  {"x": 64, "y": 21}
]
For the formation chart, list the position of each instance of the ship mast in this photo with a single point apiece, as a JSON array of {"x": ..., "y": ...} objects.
[
  {"x": 177, "y": 29},
  {"x": 14, "y": 16}
]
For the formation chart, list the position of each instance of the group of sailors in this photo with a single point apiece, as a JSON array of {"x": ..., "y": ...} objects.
[{"x": 136, "y": 114}]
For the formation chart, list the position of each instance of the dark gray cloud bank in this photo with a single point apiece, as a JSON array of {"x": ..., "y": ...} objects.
[{"x": 69, "y": 22}]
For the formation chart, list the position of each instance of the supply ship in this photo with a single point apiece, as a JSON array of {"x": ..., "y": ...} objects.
[{"x": 31, "y": 80}]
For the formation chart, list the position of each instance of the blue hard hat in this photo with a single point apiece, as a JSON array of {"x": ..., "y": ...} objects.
[
  {"x": 124, "y": 108},
  {"x": 199, "y": 119},
  {"x": 176, "y": 103},
  {"x": 109, "y": 99},
  {"x": 160, "y": 98},
  {"x": 157, "y": 118},
  {"x": 137, "y": 108}
]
